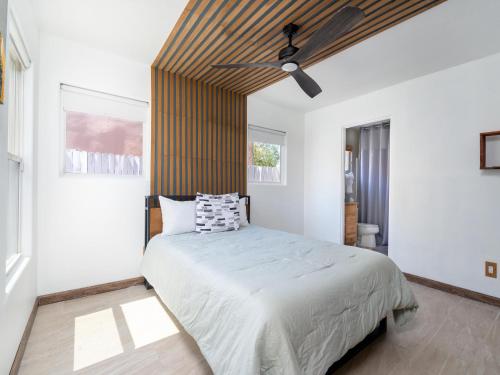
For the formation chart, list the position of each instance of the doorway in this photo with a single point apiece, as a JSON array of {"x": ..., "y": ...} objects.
[{"x": 366, "y": 179}]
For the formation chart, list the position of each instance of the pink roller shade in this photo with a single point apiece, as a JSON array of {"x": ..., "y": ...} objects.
[{"x": 94, "y": 133}]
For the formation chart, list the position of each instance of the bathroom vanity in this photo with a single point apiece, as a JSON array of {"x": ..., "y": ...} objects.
[{"x": 351, "y": 223}]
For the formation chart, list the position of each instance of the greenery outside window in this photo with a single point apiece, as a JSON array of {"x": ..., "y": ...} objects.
[{"x": 266, "y": 155}]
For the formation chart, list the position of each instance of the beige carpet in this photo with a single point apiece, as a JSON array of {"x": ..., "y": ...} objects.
[{"x": 130, "y": 332}]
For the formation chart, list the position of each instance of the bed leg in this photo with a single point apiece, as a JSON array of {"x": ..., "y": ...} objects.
[
  {"x": 383, "y": 326},
  {"x": 147, "y": 285}
]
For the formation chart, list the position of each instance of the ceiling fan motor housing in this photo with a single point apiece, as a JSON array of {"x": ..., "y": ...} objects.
[
  {"x": 287, "y": 52},
  {"x": 289, "y": 30}
]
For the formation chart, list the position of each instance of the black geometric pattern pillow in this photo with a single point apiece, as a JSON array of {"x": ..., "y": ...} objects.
[{"x": 217, "y": 213}]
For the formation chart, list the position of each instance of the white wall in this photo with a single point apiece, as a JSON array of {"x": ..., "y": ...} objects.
[
  {"x": 444, "y": 212},
  {"x": 90, "y": 228},
  {"x": 18, "y": 291},
  {"x": 280, "y": 206}
]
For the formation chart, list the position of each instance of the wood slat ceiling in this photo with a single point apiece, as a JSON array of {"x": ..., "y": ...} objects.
[{"x": 229, "y": 31}]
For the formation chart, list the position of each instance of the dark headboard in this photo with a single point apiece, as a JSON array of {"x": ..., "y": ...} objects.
[{"x": 153, "y": 222}]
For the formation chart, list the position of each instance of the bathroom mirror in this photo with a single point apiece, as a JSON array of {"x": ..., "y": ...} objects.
[
  {"x": 348, "y": 158},
  {"x": 490, "y": 150}
]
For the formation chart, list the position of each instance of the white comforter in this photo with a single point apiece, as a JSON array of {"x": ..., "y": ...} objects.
[{"x": 260, "y": 301}]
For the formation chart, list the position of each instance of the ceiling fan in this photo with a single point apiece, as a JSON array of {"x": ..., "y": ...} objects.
[{"x": 291, "y": 57}]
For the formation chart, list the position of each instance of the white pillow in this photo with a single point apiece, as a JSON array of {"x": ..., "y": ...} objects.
[
  {"x": 243, "y": 212},
  {"x": 177, "y": 216}
]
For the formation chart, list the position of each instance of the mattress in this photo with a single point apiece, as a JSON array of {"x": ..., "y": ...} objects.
[{"x": 261, "y": 301}]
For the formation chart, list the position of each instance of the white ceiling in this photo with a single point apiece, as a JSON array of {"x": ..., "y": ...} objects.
[
  {"x": 450, "y": 34},
  {"x": 135, "y": 29}
]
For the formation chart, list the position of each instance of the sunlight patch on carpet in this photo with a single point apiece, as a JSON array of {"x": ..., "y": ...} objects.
[
  {"x": 96, "y": 338},
  {"x": 147, "y": 321}
]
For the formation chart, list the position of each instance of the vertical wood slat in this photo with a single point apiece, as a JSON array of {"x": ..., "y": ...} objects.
[
  {"x": 214, "y": 144},
  {"x": 233, "y": 145},
  {"x": 202, "y": 135},
  {"x": 193, "y": 139},
  {"x": 244, "y": 142},
  {"x": 170, "y": 132},
  {"x": 181, "y": 131},
  {"x": 208, "y": 139},
  {"x": 154, "y": 129},
  {"x": 164, "y": 136},
  {"x": 160, "y": 115},
  {"x": 180, "y": 142},
  {"x": 235, "y": 141},
  {"x": 172, "y": 157},
  {"x": 200, "y": 138},
  {"x": 218, "y": 151},
  {"x": 224, "y": 140},
  {"x": 187, "y": 139}
]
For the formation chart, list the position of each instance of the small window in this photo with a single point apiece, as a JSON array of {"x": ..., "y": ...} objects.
[
  {"x": 103, "y": 133},
  {"x": 266, "y": 155}
]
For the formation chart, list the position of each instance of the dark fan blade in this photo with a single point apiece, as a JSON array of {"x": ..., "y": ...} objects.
[
  {"x": 339, "y": 24},
  {"x": 307, "y": 84},
  {"x": 249, "y": 65}
]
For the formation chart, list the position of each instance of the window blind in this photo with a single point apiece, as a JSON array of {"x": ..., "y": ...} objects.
[
  {"x": 266, "y": 135},
  {"x": 82, "y": 100}
]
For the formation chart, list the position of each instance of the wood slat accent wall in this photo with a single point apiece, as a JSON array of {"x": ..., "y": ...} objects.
[
  {"x": 199, "y": 112},
  {"x": 198, "y": 137},
  {"x": 229, "y": 31}
]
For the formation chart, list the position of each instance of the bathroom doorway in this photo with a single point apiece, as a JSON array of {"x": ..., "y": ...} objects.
[{"x": 366, "y": 172}]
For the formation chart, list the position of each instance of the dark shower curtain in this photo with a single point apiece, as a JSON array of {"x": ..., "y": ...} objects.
[{"x": 374, "y": 178}]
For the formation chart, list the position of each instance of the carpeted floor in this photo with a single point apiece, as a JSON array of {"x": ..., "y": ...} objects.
[{"x": 130, "y": 332}]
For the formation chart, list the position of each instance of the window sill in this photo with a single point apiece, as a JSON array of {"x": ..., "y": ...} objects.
[
  {"x": 11, "y": 263},
  {"x": 267, "y": 184},
  {"x": 101, "y": 175}
]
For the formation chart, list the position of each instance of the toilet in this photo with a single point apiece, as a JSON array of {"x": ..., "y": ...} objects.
[{"x": 366, "y": 235}]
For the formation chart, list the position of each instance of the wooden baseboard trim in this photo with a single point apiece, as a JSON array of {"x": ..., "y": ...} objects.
[
  {"x": 453, "y": 289},
  {"x": 89, "y": 291},
  {"x": 64, "y": 296},
  {"x": 16, "y": 364}
]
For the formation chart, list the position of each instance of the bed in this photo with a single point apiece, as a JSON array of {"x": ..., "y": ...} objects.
[{"x": 261, "y": 301}]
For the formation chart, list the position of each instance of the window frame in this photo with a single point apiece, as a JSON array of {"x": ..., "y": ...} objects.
[
  {"x": 11, "y": 261},
  {"x": 17, "y": 53},
  {"x": 105, "y": 96},
  {"x": 17, "y": 138},
  {"x": 283, "y": 155}
]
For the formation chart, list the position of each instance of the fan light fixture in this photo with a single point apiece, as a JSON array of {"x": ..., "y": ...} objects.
[
  {"x": 291, "y": 57},
  {"x": 289, "y": 67}
]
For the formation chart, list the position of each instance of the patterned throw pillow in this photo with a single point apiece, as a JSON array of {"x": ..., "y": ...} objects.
[{"x": 217, "y": 213}]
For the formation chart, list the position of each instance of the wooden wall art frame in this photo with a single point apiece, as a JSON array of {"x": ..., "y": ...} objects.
[
  {"x": 482, "y": 141},
  {"x": 2, "y": 69}
]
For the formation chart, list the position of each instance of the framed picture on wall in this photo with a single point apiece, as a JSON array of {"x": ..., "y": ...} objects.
[{"x": 2, "y": 69}]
